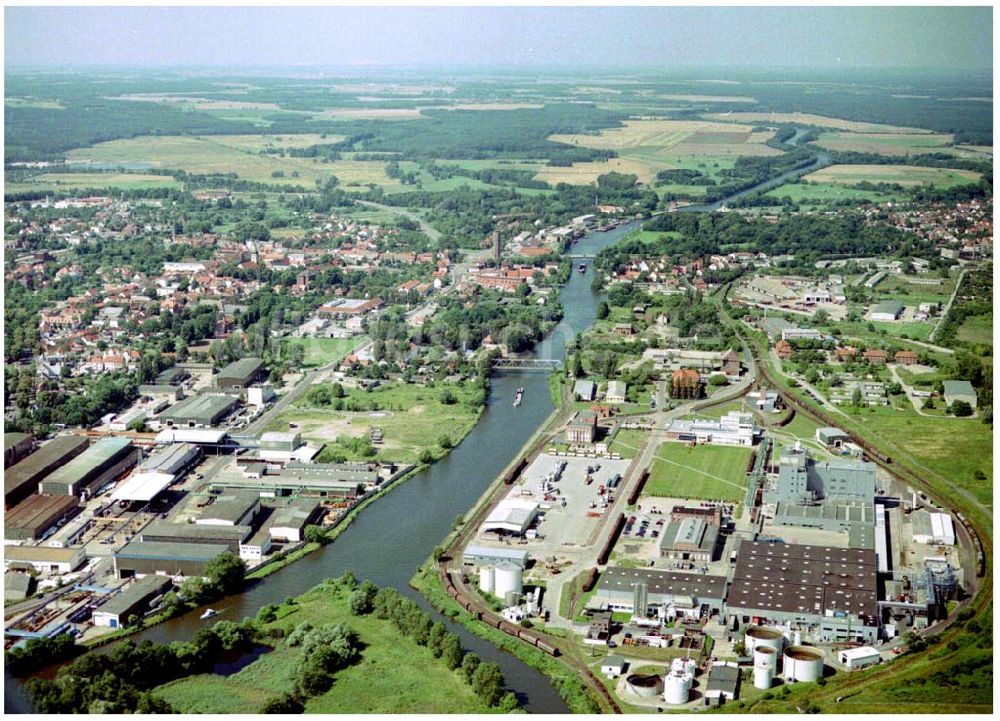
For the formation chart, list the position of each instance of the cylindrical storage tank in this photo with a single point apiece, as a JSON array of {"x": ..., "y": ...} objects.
[
  {"x": 677, "y": 666},
  {"x": 645, "y": 685},
  {"x": 763, "y": 677},
  {"x": 802, "y": 663},
  {"x": 765, "y": 657},
  {"x": 486, "y": 579},
  {"x": 507, "y": 577},
  {"x": 512, "y": 598},
  {"x": 677, "y": 688},
  {"x": 763, "y": 636}
]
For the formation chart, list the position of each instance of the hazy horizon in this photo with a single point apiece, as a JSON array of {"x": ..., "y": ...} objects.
[{"x": 505, "y": 38}]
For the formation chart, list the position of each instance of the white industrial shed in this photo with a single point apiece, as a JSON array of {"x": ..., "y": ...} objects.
[
  {"x": 157, "y": 472},
  {"x": 512, "y": 515},
  {"x": 142, "y": 486},
  {"x": 854, "y": 658},
  {"x": 936, "y": 528}
]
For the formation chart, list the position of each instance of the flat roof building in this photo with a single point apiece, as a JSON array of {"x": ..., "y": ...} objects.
[
  {"x": 144, "y": 558},
  {"x": 670, "y": 593},
  {"x": 511, "y": 515},
  {"x": 692, "y": 538},
  {"x": 157, "y": 472},
  {"x": 100, "y": 464},
  {"x": 340, "y": 480},
  {"x": 288, "y": 524},
  {"x": 232, "y": 508},
  {"x": 733, "y": 429},
  {"x": 22, "y": 479},
  {"x": 134, "y": 600},
  {"x": 960, "y": 391},
  {"x": 229, "y": 536},
  {"x": 887, "y": 311},
  {"x": 44, "y": 559},
  {"x": 803, "y": 479},
  {"x": 199, "y": 411},
  {"x": 489, "y": 556},
  {"x": 242, "y": 373},
  {"x": 30, "y": 519}
]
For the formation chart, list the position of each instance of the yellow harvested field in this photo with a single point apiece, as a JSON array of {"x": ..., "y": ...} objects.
[
  {"x": 887, "y": 143},
  {"x": 810, "y": 119},
  {"x": 905, "y": 175},
  {"x": 216, "y": 154},
  {"x": 586, "y": 173},
  {"x": 665, "y": 138},
  {"x": 262, "y": 142},
  {"x": 710, "y": 98},
  {"x": 988, "y": 149}
]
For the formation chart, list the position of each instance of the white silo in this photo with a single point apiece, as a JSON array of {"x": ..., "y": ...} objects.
[
  {"x": 677, "y": 688},
  {"x": 763, "y": 677},
  {"x": 486, "y": 579},
  {"x": 803, "y": 664},
  {"x": 506, "y": 578},
  {"x": 763, "y": 636},
  {"x": 765, "y": 657}
]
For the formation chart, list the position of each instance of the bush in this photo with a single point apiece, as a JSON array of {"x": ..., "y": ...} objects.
[{"x": 286, "y": 703}]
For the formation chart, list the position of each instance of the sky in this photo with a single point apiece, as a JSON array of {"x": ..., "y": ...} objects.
[{"x": 831, "y": 37}]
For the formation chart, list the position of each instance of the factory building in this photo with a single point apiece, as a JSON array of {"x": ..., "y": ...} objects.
[
  {"x": 585, "y": 390},
  {"x": 490, "y": 556},
  {"x": 44, "y": 559},
  {"x": 855, "y": 658},
  {"x": 324, "y": 480},
  {"x": 832, "y": 437},
  {"x": 21, "y": 480},
  {"x": 17, "y": 586},
  {"x": 669, "y": 594},
  {"x": 692, "y": 534},
  {"x": 933, "y": 528},
  {"x": 288, "y": 524},
  {"x": 960, "y": 391},
  {"x": 133, "y": 601},
  {"x": 241, "y": 374},
  {"x": 723, "y": 683},
  {"x": 201, "y": 411},
  {"x": 257, "y": 546},
  {"x": 582, "y": 428},
  {"x": 218, "y": 535},
  {"x": 15, "y": 447},
  {"x": 887, "y": 311},
  {"x": 801, "y": 478},
  {"x": 102, "y": 463},
  {"x": 33, "y": 517},
  {"x": 733, "y": 429},
  {"x": 832, "y": 591},
  {"x": 511, "y": 515},
  {"x": 157, "y": 472},
  {"x": 145, "y": 558},
  {"x": 236, "y": 508}
]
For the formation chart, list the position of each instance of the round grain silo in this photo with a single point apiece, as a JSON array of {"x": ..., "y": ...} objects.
[
  {"x": 507, "y": 577},
  {"x": 763, "y": 677},
  {"x": 677, "y": 688},
  {"x": 765, "y": 657},
  {"x": 486, "y": 579},
  {"x": 645, "y": 685},
  {"x": 803, "y": 664},
  {"x": 764, "y": 636}
]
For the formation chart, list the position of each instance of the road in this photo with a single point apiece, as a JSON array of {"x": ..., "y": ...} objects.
[{"x": 947, "y": 307}]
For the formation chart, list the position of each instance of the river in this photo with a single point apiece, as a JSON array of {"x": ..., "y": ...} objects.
[{"x": 390, "y": 539}]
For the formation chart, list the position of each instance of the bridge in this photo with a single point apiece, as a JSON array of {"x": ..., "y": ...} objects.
[
  {"x": 526, "y": 364},
  {"x": 580, "y": 256}
]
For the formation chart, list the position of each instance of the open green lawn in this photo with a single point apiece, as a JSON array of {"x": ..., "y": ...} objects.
[
  {"x": 905, "y": 175},
  {"x": 810, "y": 193},
  {"x": 53, "y": 182},
  {"x": 412, "y": 418},
  {"x": 977, "y": 329},
  {"x": 709, "y": 472},
  {"x": 320, "y": 351},
  {"x": 394, "y": 675},
  {"x": 627, "y": 442}
]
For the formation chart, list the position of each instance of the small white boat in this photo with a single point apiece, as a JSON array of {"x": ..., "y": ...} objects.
[{"x": 209, "y": 613}]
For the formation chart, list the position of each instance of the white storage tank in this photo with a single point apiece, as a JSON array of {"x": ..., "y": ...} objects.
[
  {"x": 683, "y": 665},
  {"x": 677, "y": 688},
  {"x": 506, "y": 578},
  {"x": 803, "y": 664},
  {"x": 765, "y": 657},
  {"x": 764, "y": 636},
  {"x": 763, "y": 677},
  {"x": 486, "y": 579}
]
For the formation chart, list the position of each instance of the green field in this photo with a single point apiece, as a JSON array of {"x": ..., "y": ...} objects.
[
  {"x": 412, "y": 418},
  {"x": 810, "y": 193},
  {"x": 627, "y": 442},
  {"x": 54, "y": 182},
  {"x": 708, "y": 472},
  {"x": 977, "y": 329},
  {"x": 905, "y": 175},
  {"x": 394, "y": 675},
  {"x": 320, "y": 351},
  {"x": 896, "y": 144}
]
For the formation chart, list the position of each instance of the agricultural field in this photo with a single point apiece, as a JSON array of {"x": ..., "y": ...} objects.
[
  {"x": 53, "y": 182},
  {"x": 811, "y": 119},
  {"x": 977, "y": 329},
  {"x": 706, "y": 472},
  {"x": 896, "y": 144},
  {"x": 905, "y": 175},
  {"x": 394, "y": 674},
  {"x": 219, "y": 154},
  {"x": 412, "y": 418},
  {"x": 807, "y": 193},
  {"x": 320, "y": 351}
]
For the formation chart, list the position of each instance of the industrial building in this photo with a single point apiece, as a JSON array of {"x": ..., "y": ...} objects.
[
  {"x": 511, "y": 515},
  {"x": 832, "y": 437},
  {"x": 585, "y": 390},
  {"x": 15, "y": 447},
  {"x": 490, "y": 556},
  {"x": 801, "y": 478},
  {"x": 933, "y": 528},
  {"x": 241, "y": 374},
  {"x": 133, "y": 601},
  {"x": 288, "y": 524},
  {"x": 44, "y": 559},
  {"x": 669, "y": 594},
  {"x": 102, "y": 463},
  {"x": 157, "y": 472},
  {"x": 210, "y": 440},
  {"x": 201, "y": 411},
  {"x": 723, "y": 683},
  {"x": 733, "y": 429},
  {"x": 832, "y": 591},
  {"x": 22, "y": 479},
  {"x": 144, "y": 558},
  {"x": 855, "y": 658},
  {"x": 218, "y": 535},
  {"x": 691, "y": 536},
  {"x": 30, "y": 519},
  {"x": 17, "y": 586},
  {"x": 887, "y": 311},
  {"x": 235, "y": 508},
  {"x": 324, "y": 480},
  {"x": 285, "y": 448},
  {"x": 346, "y": 307},
  {"x": 616, "y": 392},
  {"x": 960, "y": 391},
  {"x": 582, "y": 428},
  {"x": 257, "y": 546}
]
